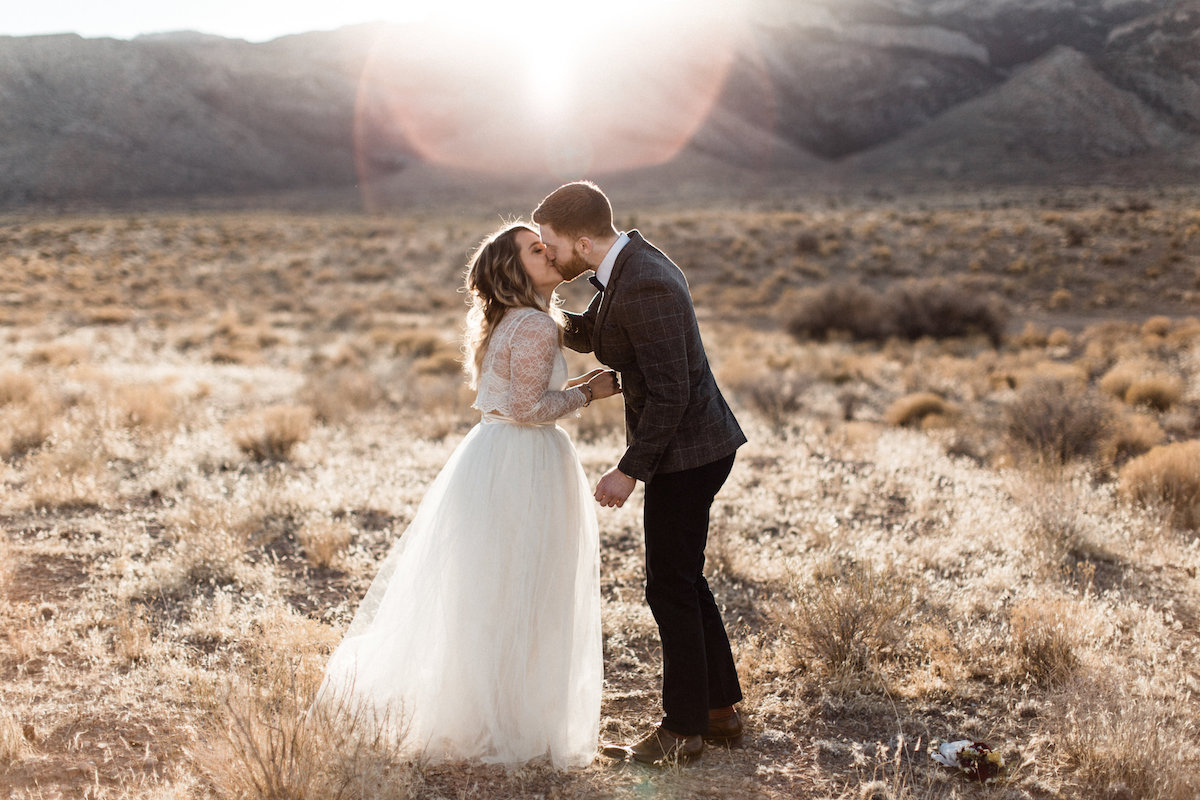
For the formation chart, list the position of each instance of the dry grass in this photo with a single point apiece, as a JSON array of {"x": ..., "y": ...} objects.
[
  {"x": 885, "y": 585},
  {"x": 1167, "y": 476},
  {"x": 847, "y": 617},
  {"x": 271, "y": 434},
  {"x": 1114, "y": 743}
]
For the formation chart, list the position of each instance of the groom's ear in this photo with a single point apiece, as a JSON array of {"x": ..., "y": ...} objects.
[{"x": 585, "y": 245}]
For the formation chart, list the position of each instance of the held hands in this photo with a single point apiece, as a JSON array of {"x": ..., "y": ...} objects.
[
  {"x": 604, "y": 384},
  {"x": 600, "y": 383},
  {"x": 614, "y": 488}
]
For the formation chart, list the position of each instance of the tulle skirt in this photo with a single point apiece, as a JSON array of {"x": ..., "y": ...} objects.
[{"x": 480, "y": 636}]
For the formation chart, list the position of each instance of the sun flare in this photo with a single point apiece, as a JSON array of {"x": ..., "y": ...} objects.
[{"x": 543, "y": 86}]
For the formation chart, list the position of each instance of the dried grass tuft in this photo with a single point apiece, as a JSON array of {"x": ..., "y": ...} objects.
[
  {"x": 848, "y": 616},
  {"x": 1046, "y": 639},
  {"x": 272, "y": 433},
  {"x": 913, "y": 409},
  {"x": 16, "y": 387},
  {"x": 13, "y": 745},
  {"x": 323, "y": 539},
  {"x": 1167, "y": 476},
  {"x": 275, "y": 747},
  {"x": 1158, "y": 392}
]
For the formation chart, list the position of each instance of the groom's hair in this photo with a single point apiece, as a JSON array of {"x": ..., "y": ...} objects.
[{"x": 576, "y": 209}]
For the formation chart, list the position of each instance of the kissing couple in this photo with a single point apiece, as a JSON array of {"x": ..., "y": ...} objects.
[{"x": 480, "y": 637}]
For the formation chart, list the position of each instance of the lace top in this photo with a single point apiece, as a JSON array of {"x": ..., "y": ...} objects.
[{"x": 523, "y": 361}]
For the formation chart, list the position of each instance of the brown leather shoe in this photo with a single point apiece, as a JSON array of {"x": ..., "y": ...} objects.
[
  {"x": 663, "y": 747},
  {"x": 727, "y": 730}
]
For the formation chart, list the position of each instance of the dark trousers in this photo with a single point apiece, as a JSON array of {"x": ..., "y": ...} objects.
[{"x": 698, "y": 668}]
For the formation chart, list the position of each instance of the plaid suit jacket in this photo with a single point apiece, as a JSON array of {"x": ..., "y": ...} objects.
[{"x": 644, "y": 326}]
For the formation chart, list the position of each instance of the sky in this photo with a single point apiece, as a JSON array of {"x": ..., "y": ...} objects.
[{"x": 262, "y": 20}]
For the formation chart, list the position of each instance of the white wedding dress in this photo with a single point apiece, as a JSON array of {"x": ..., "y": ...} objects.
[{"x": 480, "y": 636}]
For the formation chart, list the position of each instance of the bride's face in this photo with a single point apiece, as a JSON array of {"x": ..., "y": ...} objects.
[{"x": 536, "y": 263}]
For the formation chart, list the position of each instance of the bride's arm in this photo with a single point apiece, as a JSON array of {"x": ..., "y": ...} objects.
[{"x": 532, "y": 354}]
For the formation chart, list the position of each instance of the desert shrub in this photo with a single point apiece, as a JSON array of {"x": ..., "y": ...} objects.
[
  {"x": 1114, "y": 744},
  {"x": 57, "y": 354},
  {"x": 1057, "y": 422},
  {"x": 936, "y": 308},
  {"x": 943, "y": 310},
  {"x": 109, "y": 314},
  {"x": 1132, "y": 435},
  {"x": 1167, "y": 476},
  {"x": 848, "y": 616},
  {"x": 1117, "y": 380},
  {"x": 912, "y": 409},
  {"x": 272, "y": 433},
  {"x": 147, "y": 407},
  {"x": 777, "y": 397},
  {"x": 1158, "y": 392},
  {"x": 1046, "y": 640},
  {"x": 1156, "y": 326},
  {"x": 850, "y": 308},
  {"x": 440, "y": 363},
  {"x": 1059, "y": 337}
]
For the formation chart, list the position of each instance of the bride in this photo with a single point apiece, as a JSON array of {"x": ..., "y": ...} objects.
[{"x": 480, "y": 636}]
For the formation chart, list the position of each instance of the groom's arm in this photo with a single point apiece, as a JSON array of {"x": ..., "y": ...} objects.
[{"x": 577, "y": 334}]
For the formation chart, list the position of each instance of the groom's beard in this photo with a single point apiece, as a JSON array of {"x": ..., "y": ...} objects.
[{"x": 572, "y": 268}]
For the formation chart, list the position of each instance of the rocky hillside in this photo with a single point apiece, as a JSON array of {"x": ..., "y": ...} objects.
[{"x": 1007, "y": 90}]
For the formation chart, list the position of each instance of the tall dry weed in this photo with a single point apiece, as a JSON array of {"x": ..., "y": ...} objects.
[
  {"x": 847, "y": 617},
  {"x": 13, "y": 745},
  {"x": 268, "y": 746}
]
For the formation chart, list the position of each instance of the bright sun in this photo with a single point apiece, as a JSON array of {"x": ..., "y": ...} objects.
[{"x": 547, "y": 85}]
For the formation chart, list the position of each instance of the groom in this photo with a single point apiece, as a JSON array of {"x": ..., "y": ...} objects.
[{"x": 681, "y": 441}]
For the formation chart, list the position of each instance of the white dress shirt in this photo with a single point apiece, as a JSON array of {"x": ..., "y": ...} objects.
[{"x": 604, "y": 271}]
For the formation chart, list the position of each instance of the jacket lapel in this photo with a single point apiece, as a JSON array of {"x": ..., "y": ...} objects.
[{"x": 606, "y": 301}]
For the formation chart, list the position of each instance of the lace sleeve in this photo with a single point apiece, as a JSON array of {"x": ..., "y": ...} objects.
[{"x": 532, "y": 354}]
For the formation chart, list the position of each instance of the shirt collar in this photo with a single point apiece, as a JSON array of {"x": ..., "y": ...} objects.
[{"x": 604, "y": 271}]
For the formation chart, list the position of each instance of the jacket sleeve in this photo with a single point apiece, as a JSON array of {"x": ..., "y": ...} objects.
[
  {"x": 578, "y": 332},
  {"x": 657, "y": 323}
]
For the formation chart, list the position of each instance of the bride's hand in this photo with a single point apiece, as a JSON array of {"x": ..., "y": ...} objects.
[
  {"x": 604, "y": 384},
  {"x": 582, "y": 379}
]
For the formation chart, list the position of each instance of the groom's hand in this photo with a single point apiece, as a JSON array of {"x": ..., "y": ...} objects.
[{"x": 614, "y": 488}]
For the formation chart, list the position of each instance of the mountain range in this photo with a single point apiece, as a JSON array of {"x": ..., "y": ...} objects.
[{"x": 974, "y": 92}]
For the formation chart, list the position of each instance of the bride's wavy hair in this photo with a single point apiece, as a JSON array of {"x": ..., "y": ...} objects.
[{"x": 496, "y": 281}]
